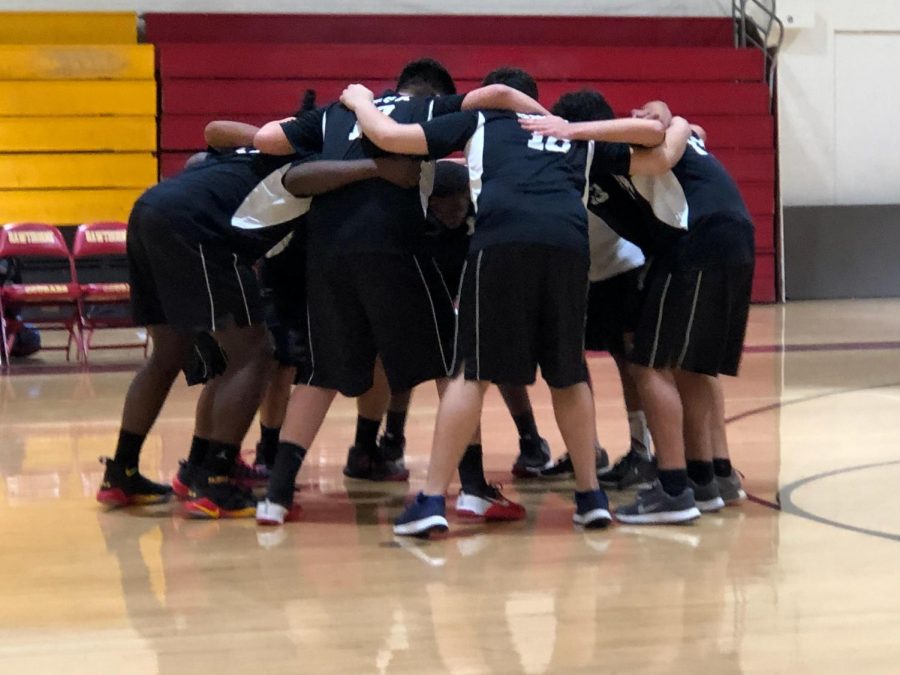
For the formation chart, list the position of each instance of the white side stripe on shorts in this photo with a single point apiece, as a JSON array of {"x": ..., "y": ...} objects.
[
  {"x": 241, "y": 285},
  {"x": 462, "y": 276},
  {"x": 690, "y": 324},
  {"x": 662, "y": 305},
  {"x": 312, "y": 356},
  {"x": 212, "y": 306},
  {"x": 478, "y": 316},
  {"x": 437, "y": 328}
]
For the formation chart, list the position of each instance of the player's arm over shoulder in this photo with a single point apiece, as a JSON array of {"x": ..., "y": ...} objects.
[
  {"x": 657, "y": 161},
  {"x": 292, "y": 134}
]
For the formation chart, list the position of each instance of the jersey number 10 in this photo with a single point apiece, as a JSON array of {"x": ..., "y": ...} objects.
[{"x": 548, "y": 143}]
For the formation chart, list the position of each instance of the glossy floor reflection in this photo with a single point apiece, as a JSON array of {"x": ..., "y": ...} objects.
[{"x": 811, "y": 589}]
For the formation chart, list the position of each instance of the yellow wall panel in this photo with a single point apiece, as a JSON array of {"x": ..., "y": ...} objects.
[
  {"x": 68, "y": 134},
  {"x": 66, "y": 207},
  {"x": 68, "y": 28},
  {"x": 80, "y": 97},
  {"x": 77, "y": 171},
  {"x": 76, "y": 62}
]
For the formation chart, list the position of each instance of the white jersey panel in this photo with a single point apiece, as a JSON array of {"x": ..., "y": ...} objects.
[
  {"x": 269, "y": 203},
  {"x": 610, "y": 254}
]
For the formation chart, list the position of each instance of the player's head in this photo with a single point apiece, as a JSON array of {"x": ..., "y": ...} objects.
[
  {"x": 425, "y": 77},
  {"x": 586, "y": 105},
  {"x": 449, "y": 204},
  {"x": 307, "y": 103},
  {"x": 513, "y": 77}
]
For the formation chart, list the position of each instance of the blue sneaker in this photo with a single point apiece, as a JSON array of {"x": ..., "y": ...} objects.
[
  {"x": 591, "y": 510},
  {"x": 424, "y": 516}
]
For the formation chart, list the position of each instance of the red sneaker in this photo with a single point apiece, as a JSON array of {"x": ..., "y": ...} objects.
[{"x": 490, "y": 504}]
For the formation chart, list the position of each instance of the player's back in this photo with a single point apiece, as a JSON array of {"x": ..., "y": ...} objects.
[{"x": 526, "y": 187}]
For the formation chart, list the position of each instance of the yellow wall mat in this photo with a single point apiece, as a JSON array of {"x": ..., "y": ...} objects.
[
  {"x": 66, "y": 207},
  {"x": 62, "y": 134},
  {"x": 68, "y": 28},
  {"x": 76, "y": 62},
  {"x": 28, "y": 172},
  {"x": 67, "y": 99}
]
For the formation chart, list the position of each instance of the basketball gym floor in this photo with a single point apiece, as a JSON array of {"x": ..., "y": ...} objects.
[{"x": 803, "y": 578}]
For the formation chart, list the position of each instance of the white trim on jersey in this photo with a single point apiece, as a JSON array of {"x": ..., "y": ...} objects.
[
  {"x": 324, "y": 119},
  {"x": 611, "y": 255},
  {"x": 587, "y": 173},
  {"x": 269, "y": 203},
  {"x": 280, "y": 247},
  {"x": 475, "y": 159},
  {"x": 666, "y": 198}
]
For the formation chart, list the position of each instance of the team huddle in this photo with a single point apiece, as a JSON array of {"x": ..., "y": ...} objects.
[{"x": 340, "y": 251}]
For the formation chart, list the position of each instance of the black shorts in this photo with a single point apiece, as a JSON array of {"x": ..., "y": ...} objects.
[
  {"x": 523, "y": 306},
  {"x": 363, "y": 305},
  {"x": 694, "y": 320},
  {"x": 283, "y": 285},
  {"x": 183, "y": 284},
  {"x": 612, "y": 311}
]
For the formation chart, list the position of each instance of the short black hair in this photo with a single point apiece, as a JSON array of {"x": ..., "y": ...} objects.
[
  {"x": 513, "y": 77},
  {"x": 586, "y": 105},
  {"x": 426, "y": 77},
  {"x": 450, "y": 178}
]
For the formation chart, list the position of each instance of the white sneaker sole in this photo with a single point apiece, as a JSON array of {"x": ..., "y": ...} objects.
[
  {"x": 711, "y": 505},
  {"x": 595, "y": 518},
  {"x": 660, "y": 518},
  {"x": 270, "y": 513},
  {"x": 423, "y": 526},
  {"x": 471, "y": 506}
]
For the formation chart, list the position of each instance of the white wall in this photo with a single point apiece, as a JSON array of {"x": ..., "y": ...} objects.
[
  {"x": 572, "y": 7},
  {"x": 839, "y": 103}
]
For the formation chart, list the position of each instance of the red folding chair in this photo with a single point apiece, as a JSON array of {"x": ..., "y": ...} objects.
[
  {"x": 101, "y": 266},
  {"x": 52, "y": 305}
]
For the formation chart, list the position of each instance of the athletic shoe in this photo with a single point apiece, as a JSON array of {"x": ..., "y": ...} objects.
[
  {"x": 488, "y": 503},
  {"x": 215, "y": 497},
  {"x": 655, "y": 505},
  {"x": 591, "y": 510},
  {"x": 563, "y": 469},
  {"x": 249, "y": 476},
  {"x": 424, "y": 516},
  {"x": 359, "y": 462},
  {"x": 390, "y": 467},
  {"x": 123, "y": 486},
  {"x": 273, "y": 513},
  {"x": 731, "y": 489},
  {"x": 184, "y": 477},
  {"x": 707, "y": 496},
  {"x": 534, "y": 457},
  {"x": 631, "y": 471}
]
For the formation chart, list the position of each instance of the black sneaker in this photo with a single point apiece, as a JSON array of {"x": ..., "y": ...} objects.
[
  {"x": 562, "y": 468},
  {"x": 390, "y": 466},
  {"x": 360, "y": 462},
  {"x": 184, "y": 478},
  {"x": 534, "y": 457},
  {"x": 631, "y": 471},
  {"x": 123, "y": 486},
  {"x": 214, "y": 497}
]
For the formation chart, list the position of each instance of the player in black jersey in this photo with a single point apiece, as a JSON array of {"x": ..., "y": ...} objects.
[
  {"x": 368, "y": 289},
  {"x": 522, "y": 301},
  {"x": 693, "y": 316},
  {"x": 191, "y": 242}
]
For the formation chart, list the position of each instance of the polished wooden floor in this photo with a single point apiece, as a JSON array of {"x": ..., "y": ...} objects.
[{"x": 810, "y": 587}]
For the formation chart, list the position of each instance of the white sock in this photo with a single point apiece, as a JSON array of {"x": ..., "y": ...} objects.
[{"x": 640, "y": 434}]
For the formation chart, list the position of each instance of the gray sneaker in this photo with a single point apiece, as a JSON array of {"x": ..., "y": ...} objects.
[
  {"x": 655, "y": 505},
  {"x": 731, "y": 489},
  {"x": 707, "y": 496}
]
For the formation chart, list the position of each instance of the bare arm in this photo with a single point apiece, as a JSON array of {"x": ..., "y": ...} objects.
[
  {"x": 402, "y": 139},
  {"x": 648, "y": 133},
  {"x": 222, "y": 134},
  {"x": 654, "y": 110},
  {"x": 659, "y": 160},
  {"x": 272, "y": 140},
  {"x": 501, "y": 97},
  {"x": 317, "y": 177}
]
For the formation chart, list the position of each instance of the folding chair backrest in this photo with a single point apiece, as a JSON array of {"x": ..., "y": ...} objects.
[
  {"x": 99, "y": 239},
  {"x": 31, "y": 240}
]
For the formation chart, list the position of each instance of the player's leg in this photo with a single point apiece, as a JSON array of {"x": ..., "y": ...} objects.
[
  {"x": 664, "y": 318},
  {"x": 534, "y": 452},
  {"x": 698, "y": 393},
  {"x": 203, "y": 429},
  {"x": 271, "y": 415}
]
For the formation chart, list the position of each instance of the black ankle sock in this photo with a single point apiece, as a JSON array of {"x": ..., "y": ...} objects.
[
  {"x": 722, "y": 467},
  {"x": 287, "y": 464},
  {"x": 471, "y": 469},
  {"x": 366, "y": 432},
  {"x": 128, "y": 449},
  {"x": 526, "y": 426},
  {"x": 674, "y": 481},
  {"x": 267, "y": 447},
  {"x": 197, "y": 453},
  {"x": 395, "y": 425},
  {"x": 220, "y": 458},
  {"x": 700, "y": 472}
]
